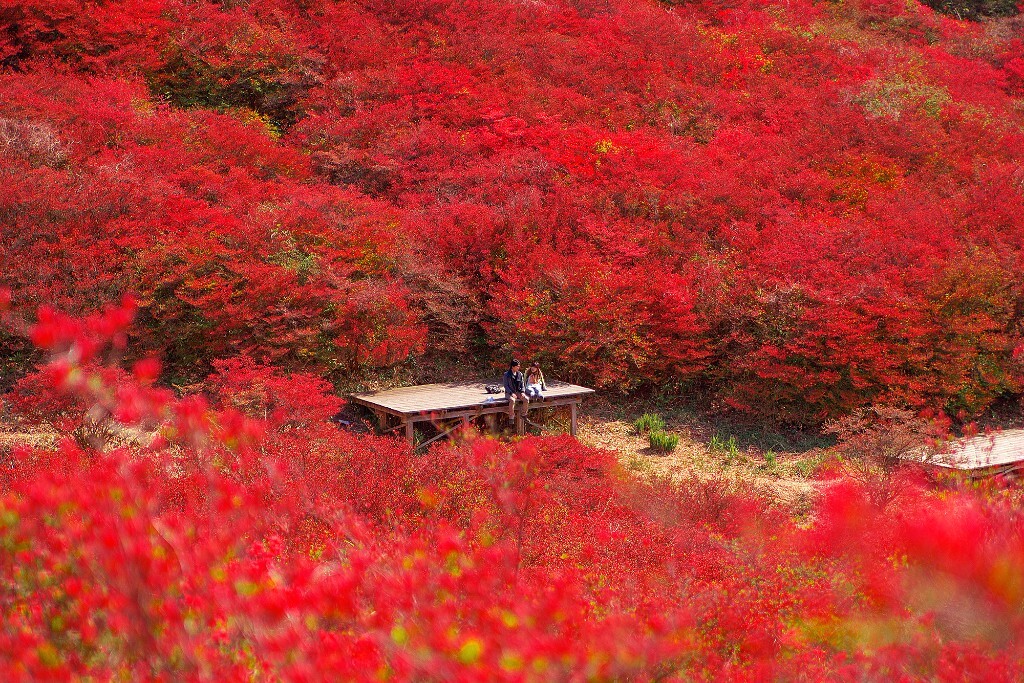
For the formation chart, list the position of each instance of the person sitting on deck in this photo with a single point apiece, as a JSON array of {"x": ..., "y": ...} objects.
[
  {"x": 515, "y": 388},
  {"x": 535, "y": 380}
]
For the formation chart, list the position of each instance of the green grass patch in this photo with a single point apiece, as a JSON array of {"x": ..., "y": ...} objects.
[
  {"x": 648, "y": 423},
  {"x": 663, "y": 442},
  {"x": 730, "y": 447}
]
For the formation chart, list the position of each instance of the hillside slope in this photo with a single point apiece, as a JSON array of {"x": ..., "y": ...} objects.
[{"x": 796, "y": 207}]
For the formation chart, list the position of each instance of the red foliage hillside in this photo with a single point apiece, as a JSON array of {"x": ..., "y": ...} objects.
[{"x": 800, "y": 207}]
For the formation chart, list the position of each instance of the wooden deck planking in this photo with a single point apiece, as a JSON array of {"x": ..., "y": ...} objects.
[
  {"x": 427, "y": 398},
  {"x": 1000, "y": 451}
]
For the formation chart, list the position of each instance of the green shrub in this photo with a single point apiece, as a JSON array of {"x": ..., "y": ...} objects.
[
  {"x": 663, "y": 441},
  {"x": 771, "y": 459},
  {"x": 807, "y": 467},
  {"x": 249, "y": 67},
  {"x": 649, "y": 423},
  {"x": 728, "y": 446},
  {"x": 974, "y": 9}
]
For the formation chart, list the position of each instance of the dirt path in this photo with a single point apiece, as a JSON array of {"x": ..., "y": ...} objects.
[
  {"x": 706, "y": 451},
  {"x": 12, "y": 436},
  {"x": 12, "y": 439}
]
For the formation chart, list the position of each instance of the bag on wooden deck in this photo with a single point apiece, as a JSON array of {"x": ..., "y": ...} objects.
[{"x": 493, "y": 389}]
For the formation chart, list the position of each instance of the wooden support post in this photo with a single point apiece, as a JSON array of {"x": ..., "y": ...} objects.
[
  {"x": 572, "y": 419},
  {"x": 446, "y": 433},
  {"x": 409, "y": 434},
  {"x": 520, "y": 422}
]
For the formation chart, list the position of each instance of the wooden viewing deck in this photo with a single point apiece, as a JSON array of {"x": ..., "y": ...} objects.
[
  {"x": 462, "y": 401},
  {"x": 997, "y": 453}
]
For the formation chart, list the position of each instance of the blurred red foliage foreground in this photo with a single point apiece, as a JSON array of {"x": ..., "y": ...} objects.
[{"x": 240, "y": 535}]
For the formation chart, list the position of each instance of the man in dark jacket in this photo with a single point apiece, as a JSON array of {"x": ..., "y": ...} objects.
[{"x": 515, "y": 388}]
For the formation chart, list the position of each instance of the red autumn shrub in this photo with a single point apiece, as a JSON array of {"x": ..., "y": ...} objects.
[
  {"x": 615, "y": 331},
  {"x": 226, "y": 549},
  {"x": 770, "y": 202},
  {"x": 298, "y": 400},
  {"x": 264, "y": 274}
]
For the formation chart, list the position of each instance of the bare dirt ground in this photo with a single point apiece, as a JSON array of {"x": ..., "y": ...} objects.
[
  {"x": 114, "y": 436},
  {"x": 12, "y": 439},
  {"x": 782, "y": 466}
]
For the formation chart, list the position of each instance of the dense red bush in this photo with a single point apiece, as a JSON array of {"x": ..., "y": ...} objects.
[
  {"x": 800, "y": 207},
  {"x": 226, "y": 546},
  {"x": 214, "y": 227}
]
